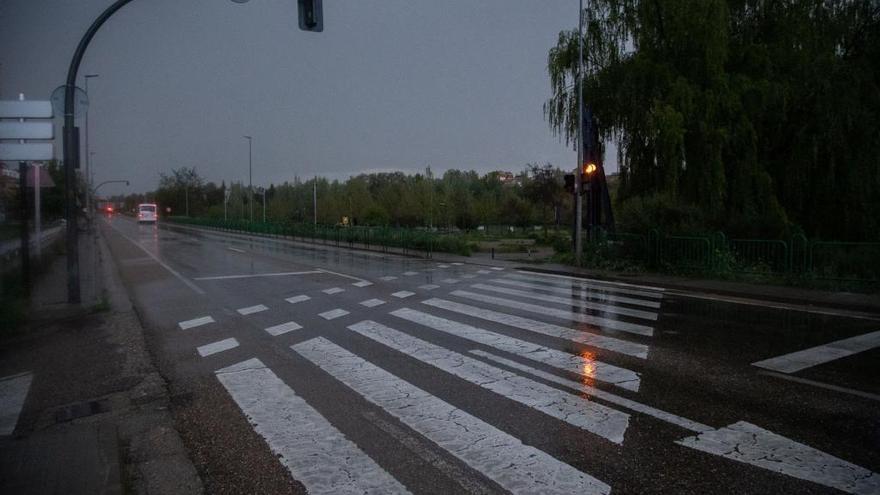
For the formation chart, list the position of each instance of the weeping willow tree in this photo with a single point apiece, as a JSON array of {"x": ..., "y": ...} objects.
[{"x": 756, "y": 116}]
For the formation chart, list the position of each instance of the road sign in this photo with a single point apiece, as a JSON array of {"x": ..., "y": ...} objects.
[
  {"x": 24, "y": 152},
  {"x": 80, "y": 100},
  {"x": 28, "y": 109},
  {"x": 26, "y": 130}
]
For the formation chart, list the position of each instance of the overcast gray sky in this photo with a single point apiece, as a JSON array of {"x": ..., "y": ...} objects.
[{"x": 388, "y": 85}]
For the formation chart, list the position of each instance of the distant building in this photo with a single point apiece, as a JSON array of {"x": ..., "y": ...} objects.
[{"x": 508, "y": 178}]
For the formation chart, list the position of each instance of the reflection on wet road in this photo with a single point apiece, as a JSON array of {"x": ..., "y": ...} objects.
[{"x": 370, "y": 373}]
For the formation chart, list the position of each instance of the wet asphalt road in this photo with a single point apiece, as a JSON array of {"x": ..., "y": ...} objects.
[{"x": 471, "y": 379}]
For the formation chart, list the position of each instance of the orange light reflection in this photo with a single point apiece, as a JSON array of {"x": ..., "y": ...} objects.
[{"x": 589, "y": 370}]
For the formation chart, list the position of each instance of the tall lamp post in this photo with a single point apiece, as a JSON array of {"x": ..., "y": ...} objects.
[
  {"x": 250, "y": 141},
  {"x": 88, "y": 154}
]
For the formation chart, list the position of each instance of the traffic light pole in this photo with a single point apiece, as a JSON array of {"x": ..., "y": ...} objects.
[{"x": 578, "y": 183}]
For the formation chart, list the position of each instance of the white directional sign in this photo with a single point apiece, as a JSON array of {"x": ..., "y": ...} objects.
[
  {"x": 15, "y": 109},
  {"x": 18, "y": 152},
  {"x": 26, "y": 130}
]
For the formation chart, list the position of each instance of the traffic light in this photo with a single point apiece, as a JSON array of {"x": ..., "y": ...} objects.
[
  {"x": 311, "y": 15},
  {"x": 588, "y": 174},
  {"x": 569, "y": 183}
]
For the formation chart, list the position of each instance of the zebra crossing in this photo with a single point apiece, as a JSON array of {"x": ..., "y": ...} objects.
[{"x": 520, "y": 338}]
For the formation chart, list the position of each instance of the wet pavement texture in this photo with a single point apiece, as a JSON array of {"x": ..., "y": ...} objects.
[{"x": 433, "y": 377}]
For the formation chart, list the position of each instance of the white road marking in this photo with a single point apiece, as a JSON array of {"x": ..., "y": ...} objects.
[
  {"x": 195, "y": 322},
  {"x": 235, "y": 249},
  {"x": 372, "y": 303},
  {"x": 429, "y": 287},
  {"x": 497, "y": 268},
  {"x": 570, "y": 301},
  {"x": 750, "y": 444},
  {"x": 388, "y": 278},
  {"x": 252, "y": 309},
  {"x": 632, "y": 405},
  {"x": 456, "y": 263},
  {"x": 450, "y": 281},
  {"x": 333, "y": 314},
  {"x": 362, "y": 283},
  {"x": 577, "y": 411},
  {"x": 333, "y": 290},
  {"x": 442, "y": 266},
  {"x": 469, "y": 276},
  {"x": 403, "y": 294},
  {"x": 283, "y": 328},
  {"x": 215, "y": 347},
  {"x": 586, "y": 284},
  {"x": 483, "y": 272},
  {"x": 581, "y": 365},
  {"x": 343, "y": 275},
  {"x": 13, "y": 392},
  {"x": 410, "y": 274},
  {"x": 602, "y": 296},
  {"x": 297, "y": 299},
  {"x": 186, "y": 281},
  {"x": 258, "y": 275},
  {"x": 807, "y": 358},
  {"x": 827, "y": 386},
  {"x": 610, "y": 343},
  {"x": 500, "y": 457},
  {"x": 590, "y": 281},
  {"x": 603, "y": 323},
  {"x": 315, "y": 453}
]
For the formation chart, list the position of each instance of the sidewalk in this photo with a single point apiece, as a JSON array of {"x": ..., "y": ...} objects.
[{"x": 95, "y": 418}]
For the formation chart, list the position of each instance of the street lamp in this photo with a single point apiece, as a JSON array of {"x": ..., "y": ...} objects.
[{"x": 250, "y": 176}]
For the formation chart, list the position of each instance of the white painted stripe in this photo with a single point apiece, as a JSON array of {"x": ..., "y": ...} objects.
[
  {"x": 195, "y": 322},
  {"x": 577, "y": 411},
  {"x": 584, "y": 366},
  {"x": 258, "y": 275},
  {"x": 500, "y": 457},
  {"x": 442, "y": 266},
  {"x": 571, "y": 302},
  {"x": 333, "y": 314},
  {"x": 333, "y": 290},
  {"x": 588, "y": 293},
  {"x": 601, "y": 341},
  {"x": 750, "y": 444},
  {"x": 632, "y": 405},
  {"x": 403, "y": 294},
  {"x": 252, "y": 309},
  {"x": 13, "y": 392},
  {"x": 372, "y": 303},
  {"x": 469, "y": 276},
  {"x": 315, "y": 453},
  {"x": 497, "y": 268},
  {"x": 807, "y": 358},
  {"x": 297, "y": 299},
  {"x": 362, "y": 283},
  {"x": 235, "y": 249},
  {"x": 450, "y": 281},
  {"x": 410, "y": 274},
  {"x": 603, "y": 323},
  {"x": 827, "y": 386},
  {"x": 283, "y": 328},
  {"x": 593, "y": 281},
  {"x": 483, "y": 272},
  {"x": 587, "y": 285},
  {"x": 215, "y": 347},
  {"x": 388, "y": 278},
  {"x": 343, "y": 275},
  {"x": 456, "y": 263},
  {"x": 429, "y": 287}
]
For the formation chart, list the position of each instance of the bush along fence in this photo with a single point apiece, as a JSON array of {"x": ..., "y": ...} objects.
[
  {"x": 715, "y": 252},
  {"x": 410, "y": 242}
]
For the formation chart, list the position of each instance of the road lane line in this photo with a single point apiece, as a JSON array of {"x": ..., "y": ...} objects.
[
  {"x": 333, "y": 314},
  {"x": 601, "y": 341},
  {"x": 429, "y": 287},
  {"x": 603, "y": 323},
  {"x": 13, "y": 392},
  {"x": 215, "y": 347},
  {"x": 372, "y": 303},
  {"x": 297, "y": 299},
  {"x": 601, "y": 296},
  {"x": 590, "y": 369},
  {"x": 258, "y": 275},
  {"x": 403, "y": 294},
  {"x": 827, "y": 386},
  {"x": 632, "y": 405},
  {"x": 283, "y": 328},
  {"x": 362, "y": 283},
  {"x": 388, "y": 278},
  {"x": 236, "y": 249},
  {"x": 576, "y": 411},
  {"x": 450, "y": 281},
  {"x": 333, "y": 290},
  {"x": 570, "y": 301},
  {"x": 343, "y": 275},
  {"x": 595, "y": 282},
  {"x": 316, "y": 453},
  {"x": 585, "y": 284},
  {"x": 750, "y": 444},
  {"x": 500, "y": 457},
  {"x": 497, "y": 268},
  {"x": 195, "y": 288},
  {"x": 252, "y": 309},
  {"x": 470, "y": 275},
  {"x": 195, "y": 322},
  {"x": 483, "y": 272},
  {"x": 442, "y": 266},
  {"x": 410, "y": 274},
  {"x": 807, "y": 358},
  {"x": 456, "y": 263}
]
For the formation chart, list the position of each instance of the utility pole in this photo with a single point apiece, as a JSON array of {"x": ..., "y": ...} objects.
[
  {"x": 431, "y": 194},
  {"x": 88, "y": 154},
  {"x": 578, "y": 183},
  {"x": 250, "y": 178},
  {"x": 315, "y": 199}
]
